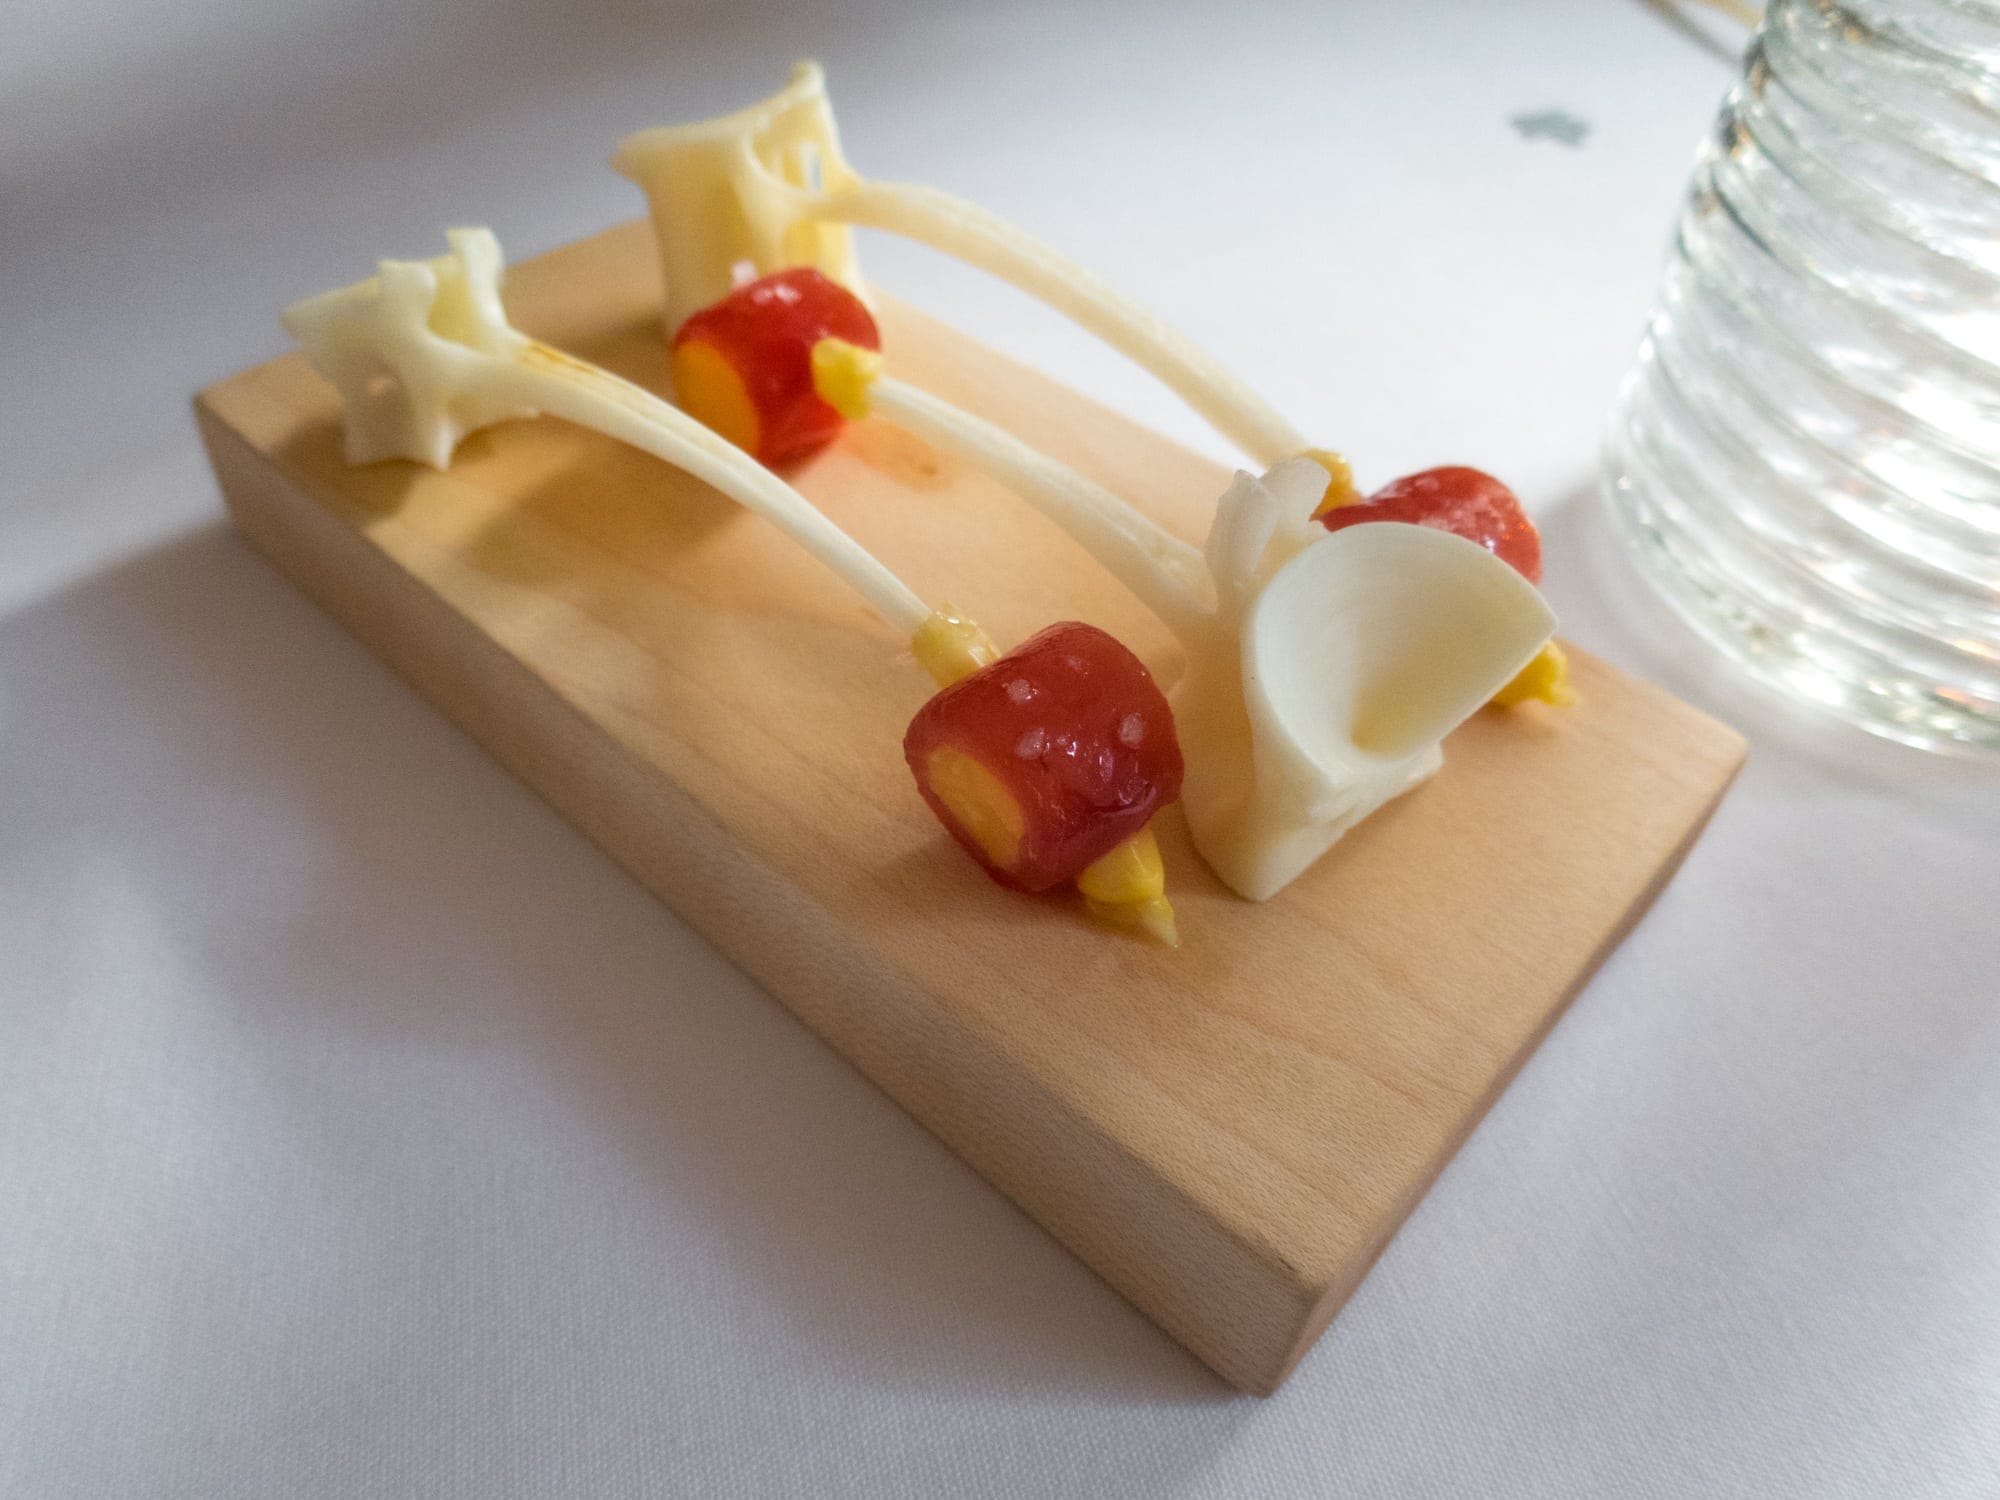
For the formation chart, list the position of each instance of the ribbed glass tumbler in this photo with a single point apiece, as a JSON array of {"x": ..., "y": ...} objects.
[{"x": 1806, "y": 455}]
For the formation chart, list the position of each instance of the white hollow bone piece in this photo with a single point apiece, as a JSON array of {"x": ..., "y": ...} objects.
[
  {"x": 423, "y": 355},
  {"x": 1357, "y": 658},
  {"x": 770, "y": 186},
  {"x": 1324, "y": 669}
]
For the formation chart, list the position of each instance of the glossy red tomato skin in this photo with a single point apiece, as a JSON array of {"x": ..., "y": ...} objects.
[
  {"x": 766, "y": 329},
  {"x": 1467, "y": 502},
  {"x": 1074, "y": 728}
]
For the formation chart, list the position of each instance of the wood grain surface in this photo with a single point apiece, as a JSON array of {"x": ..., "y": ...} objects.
[{"x": 1228, "y": 1133}]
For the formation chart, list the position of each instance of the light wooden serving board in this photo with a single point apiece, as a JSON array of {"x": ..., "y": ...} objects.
[{"x": 1228, "y": 1133}]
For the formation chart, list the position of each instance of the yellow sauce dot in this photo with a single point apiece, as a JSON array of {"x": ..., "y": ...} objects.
[
  {"x": 950, "y": 646},
  {"x": 1545, "y": 680}
]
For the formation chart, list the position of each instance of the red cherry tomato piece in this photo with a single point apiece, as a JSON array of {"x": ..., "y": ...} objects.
[
  {"x": 1463, "y": 501},
  {"x": 1049, "y": 758},
  {"x": 744, "y": 365}
]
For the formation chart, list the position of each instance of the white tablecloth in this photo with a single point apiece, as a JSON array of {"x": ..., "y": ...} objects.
[{"x": 363, "y": 1131}]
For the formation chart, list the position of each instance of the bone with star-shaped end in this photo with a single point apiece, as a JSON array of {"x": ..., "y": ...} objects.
[
  {"x": 422, "y": 355},
  {"x": 405, "y": 349}
]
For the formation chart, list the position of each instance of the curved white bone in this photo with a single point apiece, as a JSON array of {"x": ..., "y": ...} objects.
[
  {"x": 423, "y": 355},
  {"x": 769, "y": 185},
  {"x": 1168, "y": 576}
]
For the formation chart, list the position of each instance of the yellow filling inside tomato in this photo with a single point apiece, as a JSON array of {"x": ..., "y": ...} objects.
[
  {"x": 708, "y": 389},
  {"x": 979, "y": 804}
]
